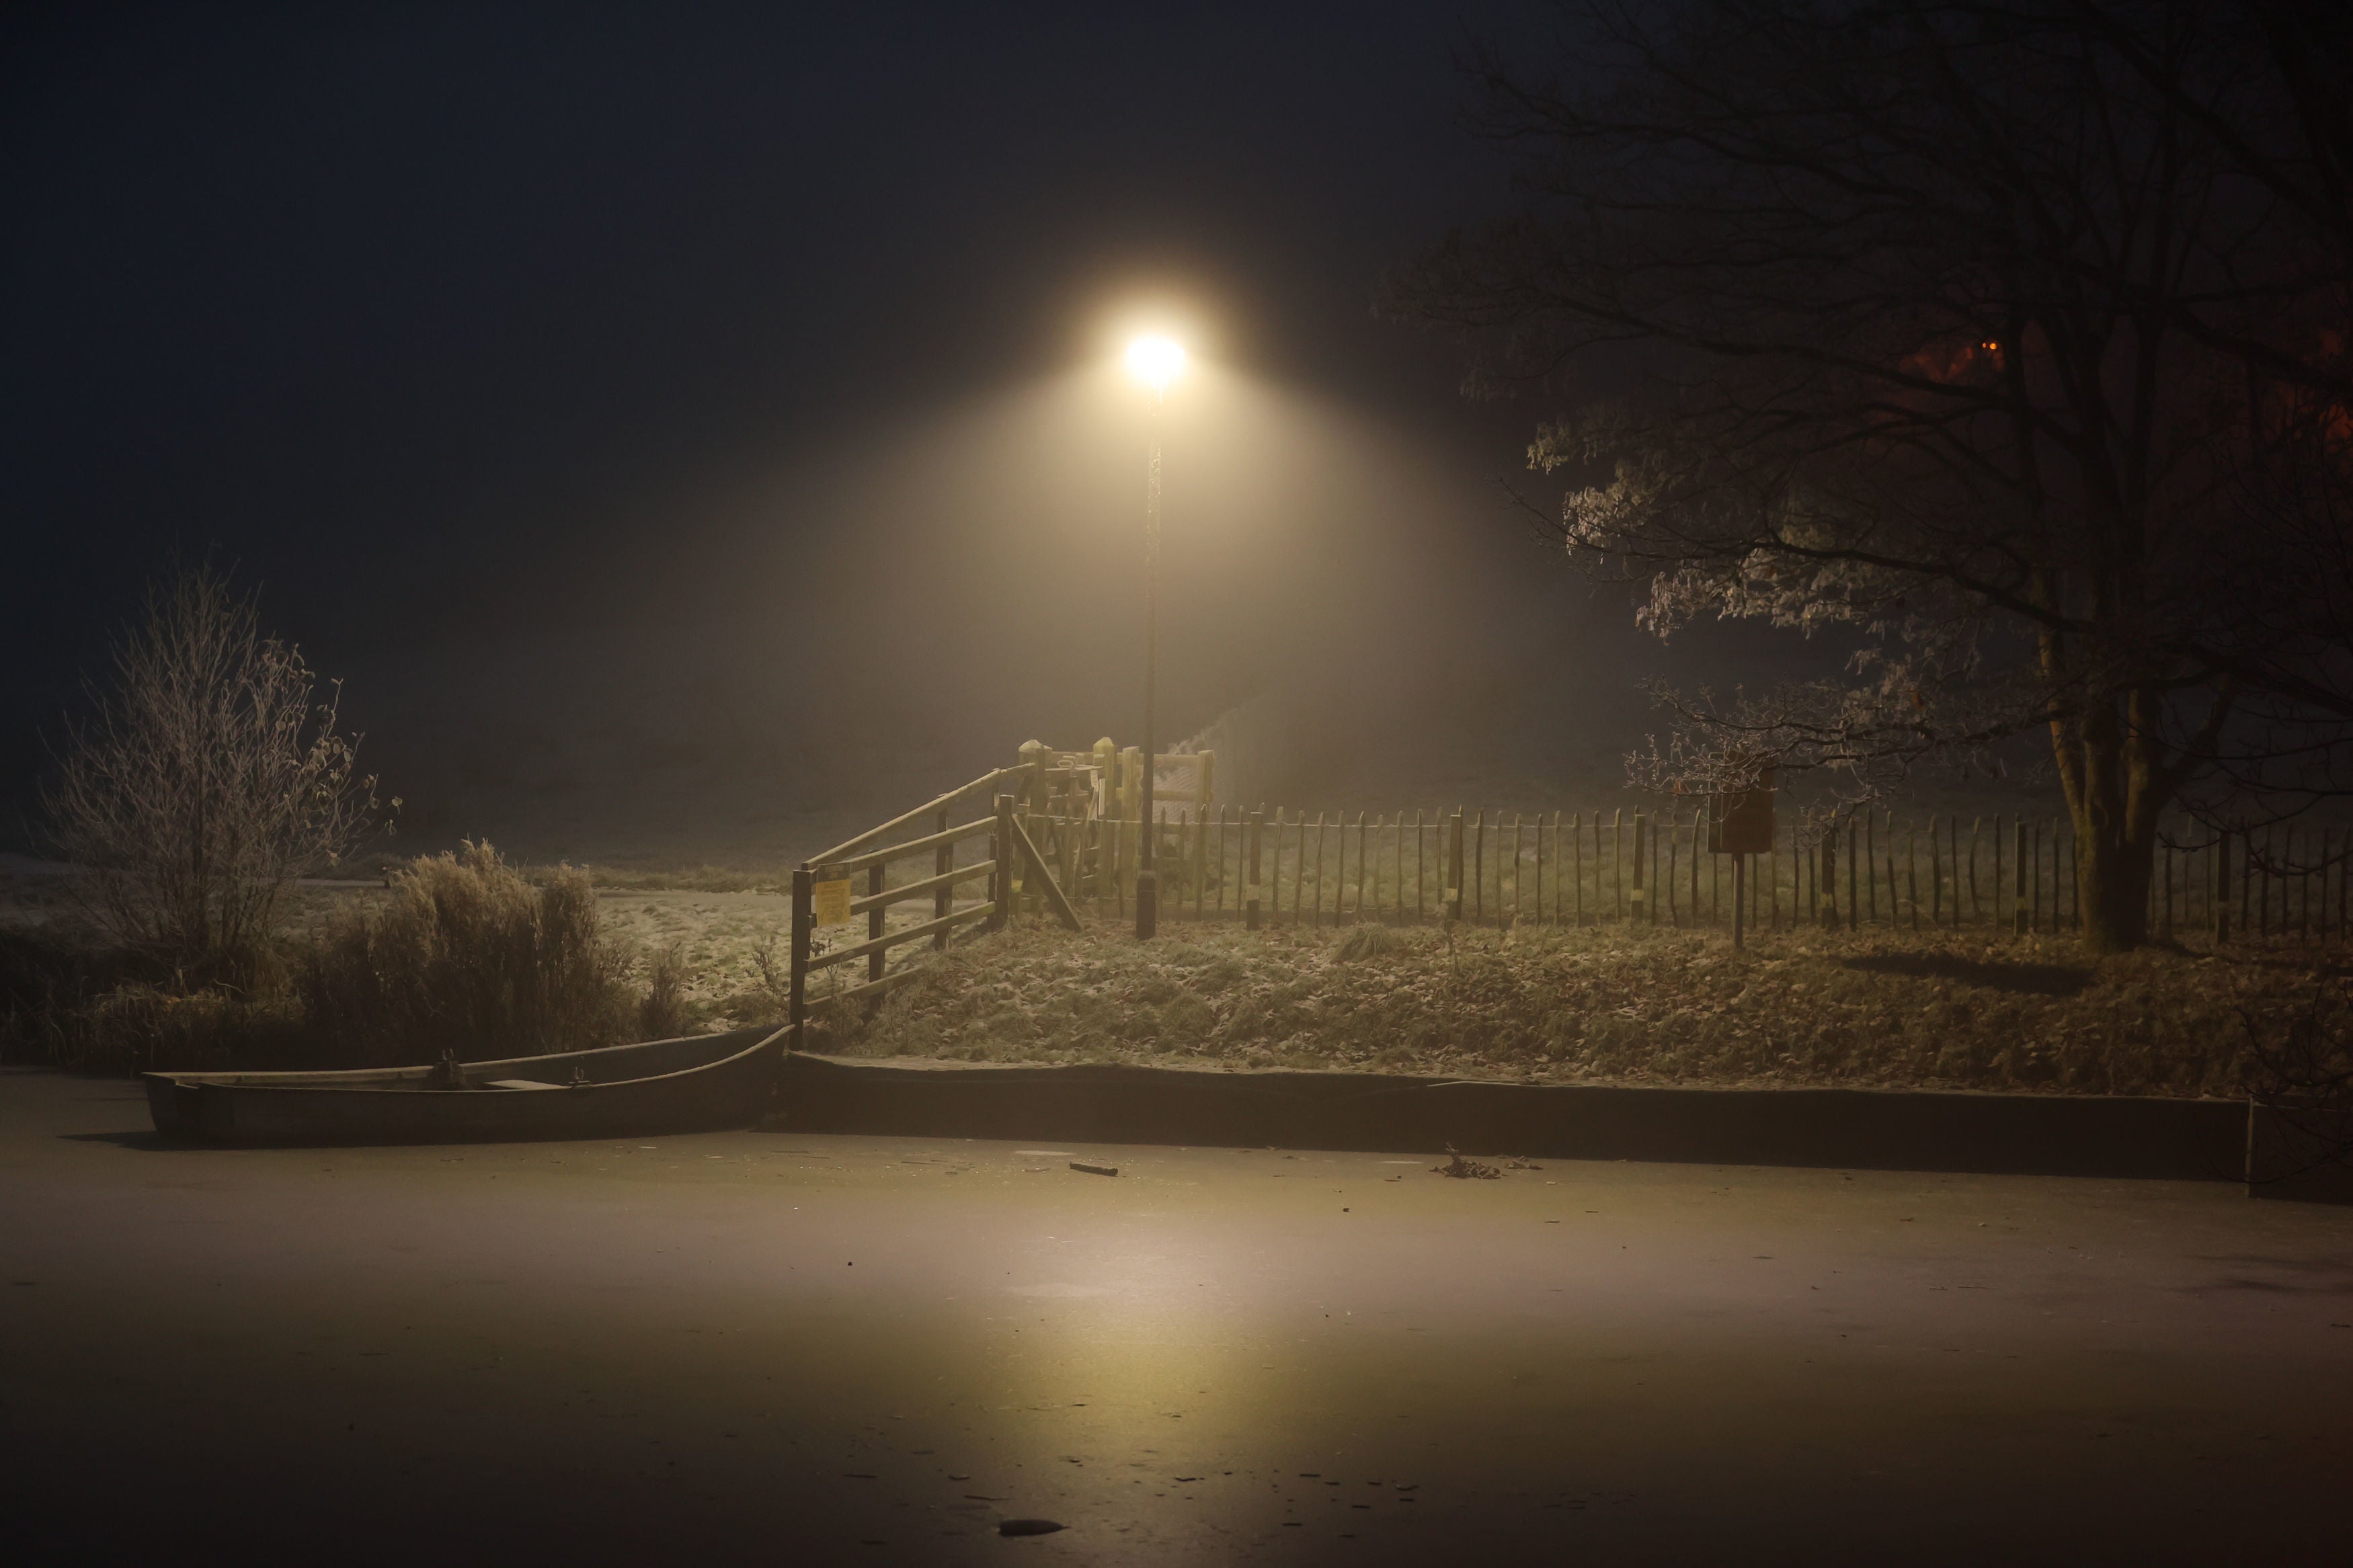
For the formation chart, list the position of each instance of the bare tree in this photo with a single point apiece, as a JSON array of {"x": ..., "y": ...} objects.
[
  {"x": 1977, "y": 333},
  {"x": 205, "y": 781}
]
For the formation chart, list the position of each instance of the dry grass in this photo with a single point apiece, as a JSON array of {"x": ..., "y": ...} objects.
[
  {"x": 140, "y": 1027},
  {"x": 467, "y": 955},
  {"x": 464, "y": 952},
  {"x": 1608, "y": 1006}
]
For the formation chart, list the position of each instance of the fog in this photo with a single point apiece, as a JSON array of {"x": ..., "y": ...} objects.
[
  {"x": 844, "y": 626},
  {"x": 699, "y": 436}
]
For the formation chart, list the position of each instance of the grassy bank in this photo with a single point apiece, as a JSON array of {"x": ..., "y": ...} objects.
[
  {"x": 1607, "y": 1006},
  {"x": 482, "y": 957},
  {"x": 455, "y": 952}
]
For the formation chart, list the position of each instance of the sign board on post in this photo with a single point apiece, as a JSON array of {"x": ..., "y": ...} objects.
[
  {"x": 829, "y": 896},
  {"x": 1741, "y": 823}
]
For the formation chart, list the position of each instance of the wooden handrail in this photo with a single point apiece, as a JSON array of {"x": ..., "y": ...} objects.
[
  {"x": 827, "y": 960},
  {"x": 897, "y": 977},
  {"x": 910, "y": 889},
  {"x": 985, "y": 784},
  {"x": 913, "y": 845}
]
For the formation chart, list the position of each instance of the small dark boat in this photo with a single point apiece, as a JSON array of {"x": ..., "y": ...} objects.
[{"x": 697, "y": 1084}]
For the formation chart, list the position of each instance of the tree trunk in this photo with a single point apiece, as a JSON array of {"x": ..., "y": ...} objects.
[
  {"x": 2118, "y": 781},
  {"x": 2113, "y": 869}
]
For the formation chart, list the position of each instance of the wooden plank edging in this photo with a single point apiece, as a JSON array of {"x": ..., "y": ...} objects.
[{"x": 2049, "y": 1135}]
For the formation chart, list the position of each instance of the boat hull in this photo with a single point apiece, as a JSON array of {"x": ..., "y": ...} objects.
[{"x": 696, "y": 1084}]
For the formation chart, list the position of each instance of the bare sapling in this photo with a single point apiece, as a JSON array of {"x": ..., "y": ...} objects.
[{"x": 207, "y": 778}]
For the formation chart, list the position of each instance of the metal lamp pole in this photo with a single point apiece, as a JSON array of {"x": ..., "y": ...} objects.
[{"x": 1148, "y": 880}]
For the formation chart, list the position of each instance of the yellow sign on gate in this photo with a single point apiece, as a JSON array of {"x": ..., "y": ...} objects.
[{"x": 829, "y": 897}]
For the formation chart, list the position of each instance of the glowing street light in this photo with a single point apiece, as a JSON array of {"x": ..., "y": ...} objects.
[{"x": 1155, "y": 362}]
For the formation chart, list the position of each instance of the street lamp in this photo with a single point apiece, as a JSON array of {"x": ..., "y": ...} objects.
[{"x": 1155, "y": 362}]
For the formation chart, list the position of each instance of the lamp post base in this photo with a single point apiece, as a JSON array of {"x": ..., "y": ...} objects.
[{"x": 1147, "y": 904}]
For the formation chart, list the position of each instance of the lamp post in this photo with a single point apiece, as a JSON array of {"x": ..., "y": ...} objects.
[{"x": 1155, "y": 362}]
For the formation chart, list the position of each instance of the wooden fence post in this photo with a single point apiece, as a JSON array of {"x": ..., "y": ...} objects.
[
  {"x": 1421, "y": 905},
  {"x": 1000, "y": 849},
  {"x": 1538, "y": 868},
  {"x": 1107, "y": 761},
  {"x": 1577, "y": 865},
  {"x": 1200, "y": 856},
  {"x": 1675, "y": 864},
  {"x": 1617, "y": 864},
  {"x": 1870, "y": 863},
  {"x": 1797, "y": 877},
  {"x": 1451, "y": 897},
  {"x": 1912, "y": 872},
  {"x": 1315, "y": 913},
  {"x": 1935, "y": 878},
  {"x": 804, "y": 927},
  {"x": 1704, "y": 819},
  {"x": 1356, "y": 909},
  {"x": 1739, "y": 900},
  {"x": 1535, "y": 869},
  {"x": 2264, "y": 864},
  {"x": 2046, "y": 830},
  {"x": 1828, "y": 877},
  {"x": 1032, "y": 789},
  {"x": 1977, "y": 905},
  {"x": 1131, "y": 810},
  {"x": 875, "y": 920},
  {"x": 2074, "y": 880},
  {"x": 1598, "y": 889},
  {"x": 1237, "y": 834},
  {"x": 2018, "y": 875},
  {"x": 1516, "y": 890},
  {"x": 1635, "y": 900},
  {"x": 2164, "y": 874},
  {"x": 2034, "y": 881},
  {"x": 1853, "y": 905},
  {"x": 1653, "y": 873},
  {"x": 1698, "y": 852},
  {"x": 1340, "y": 873},
  {"x": 1300, "y": 870},
  {"x": 1253, "y": 836},
  {"x": 1478, "y": 851},
  {"x": 1997, "y": 883},
  {"x": 943, "y": 900},
  {"x": 1271, "y": 836}
]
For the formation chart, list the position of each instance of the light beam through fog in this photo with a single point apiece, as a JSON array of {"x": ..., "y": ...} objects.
[{"x": 863, "y": 623}]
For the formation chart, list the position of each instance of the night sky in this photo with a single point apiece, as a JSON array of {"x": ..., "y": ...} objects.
[{"x": 721, "y": 388}]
